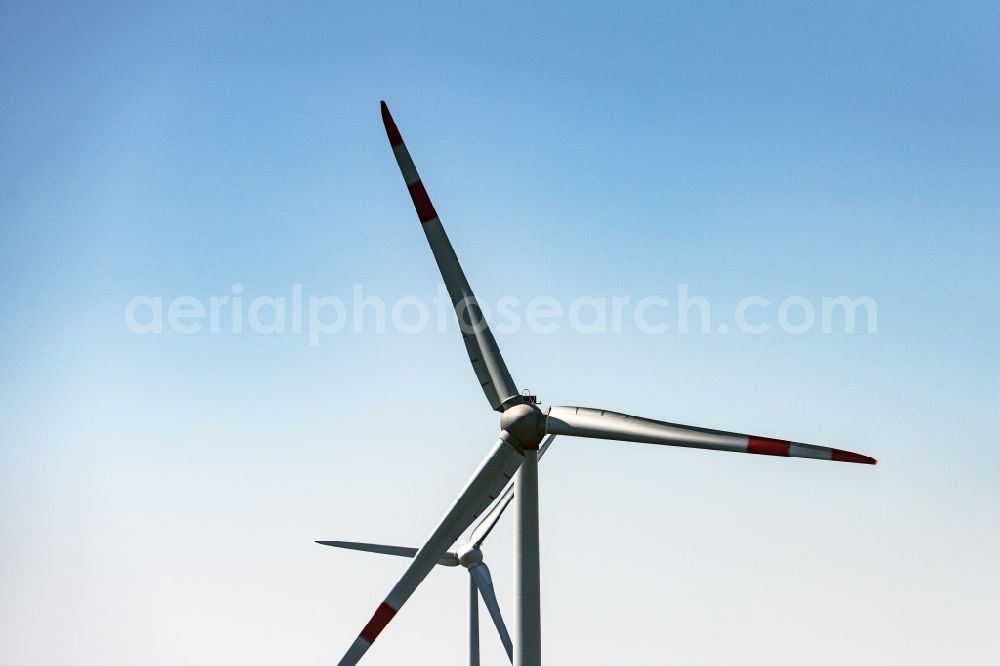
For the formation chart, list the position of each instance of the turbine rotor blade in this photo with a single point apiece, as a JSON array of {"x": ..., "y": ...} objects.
[
  {"x": 449, "y": 559},
  {"x": 489, "y": 521},
  {"x": 491, "y": 371},
  {"x": 602, "y": 424},
  {"x": 482, "y": 488},
  {"x": 480, "y": 573}
]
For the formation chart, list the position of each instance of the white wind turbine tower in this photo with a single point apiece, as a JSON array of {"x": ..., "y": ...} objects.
[
  {"x": 469, "y": 555},
  {"x": 522, "y": 425}
]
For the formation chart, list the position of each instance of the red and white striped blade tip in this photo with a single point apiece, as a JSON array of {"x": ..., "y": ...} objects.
[
  {"x": 395, "y": 138},
  {"x": 766, "y": 446}
]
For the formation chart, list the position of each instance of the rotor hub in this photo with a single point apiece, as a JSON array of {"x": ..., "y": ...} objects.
[
  {"x": 526, "y": 424},
  {"x": 469, "y": 555}
]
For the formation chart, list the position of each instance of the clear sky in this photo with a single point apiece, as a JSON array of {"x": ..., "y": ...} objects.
[{"x": 159, "y": 493}]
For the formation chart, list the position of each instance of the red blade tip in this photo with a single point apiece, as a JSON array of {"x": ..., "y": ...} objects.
[
  {"x": 395, "y": 138},
  {"x": 847, "y": 456}
]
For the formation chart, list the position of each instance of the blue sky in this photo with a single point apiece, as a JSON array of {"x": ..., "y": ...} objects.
[{"x": 159, "y": 493}]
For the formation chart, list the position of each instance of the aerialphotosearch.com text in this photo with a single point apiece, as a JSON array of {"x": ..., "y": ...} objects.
[{"x": 320, "y": 316}]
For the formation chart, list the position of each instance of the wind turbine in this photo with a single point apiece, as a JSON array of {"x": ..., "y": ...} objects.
[
  {"x": 522, "y": 426},
  {"x": 469, "y": 555}
]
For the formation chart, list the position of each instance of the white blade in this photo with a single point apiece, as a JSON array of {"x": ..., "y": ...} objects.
[
  {"x": 602, "y": 424},
  {"x": 489, "y": 521},
  {"x": 479, "y": 342},
  {"x": 485, "y": 485},
  {"x": 449, "y": 559},
  {"x": 481, "y": 575}
]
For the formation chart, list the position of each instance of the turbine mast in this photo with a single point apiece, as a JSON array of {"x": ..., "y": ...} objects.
[{"x": 527, "y": 580}]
